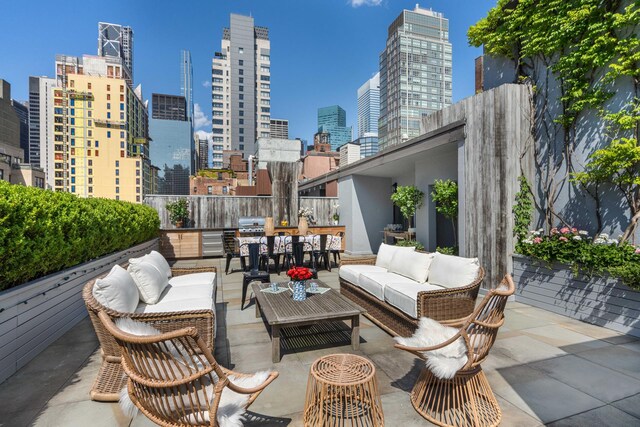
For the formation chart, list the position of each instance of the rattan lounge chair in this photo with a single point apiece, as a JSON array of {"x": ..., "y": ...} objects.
[
  {"x": 111, "y": 377},
  {"x": 174, "y": 379},
  {"x": 466, "y": 399}
]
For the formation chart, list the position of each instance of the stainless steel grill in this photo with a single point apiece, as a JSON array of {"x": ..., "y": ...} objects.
[{"x": 251, "y": 225}]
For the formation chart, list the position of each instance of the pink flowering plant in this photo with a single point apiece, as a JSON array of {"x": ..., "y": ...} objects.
[{"x": 591, "y": 255}]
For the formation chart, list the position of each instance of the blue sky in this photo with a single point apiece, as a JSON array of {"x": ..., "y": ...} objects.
[{"x": 321, "y": 50}]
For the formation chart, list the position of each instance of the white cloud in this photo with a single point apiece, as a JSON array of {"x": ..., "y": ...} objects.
[
  {"x": 358, "y": 3},
  {"x": 206, "y": 83},
  {"x": 204, "y": 135},
  {"x": 200, "y": 119}
]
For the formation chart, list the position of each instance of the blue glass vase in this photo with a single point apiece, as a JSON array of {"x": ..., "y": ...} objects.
[{"x": 299, "y": 291}]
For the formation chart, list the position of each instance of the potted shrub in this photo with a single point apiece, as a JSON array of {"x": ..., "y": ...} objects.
[
  {"x": 178, "y": 212},
  {"x": 445, "y": 196},
  {"x": 408, "y": 198}
]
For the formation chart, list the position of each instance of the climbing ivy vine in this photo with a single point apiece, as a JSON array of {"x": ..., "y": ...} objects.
[{"x": 585, "y": 48}]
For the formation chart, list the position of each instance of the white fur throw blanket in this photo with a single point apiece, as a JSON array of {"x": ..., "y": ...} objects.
[
  {"x": 231, "y": 409},
  {"x": 444, "y": 362}
]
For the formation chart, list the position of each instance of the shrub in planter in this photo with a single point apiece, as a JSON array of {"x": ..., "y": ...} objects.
[
  {"x": 178, "y": 212},
  {"x": 43, "y": 231},
  {"x": 419, "y": 246},
  {"x": 599, "y": 255}
]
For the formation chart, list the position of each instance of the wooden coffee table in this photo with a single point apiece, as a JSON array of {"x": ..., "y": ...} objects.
[{"x": 280, "y": 310}]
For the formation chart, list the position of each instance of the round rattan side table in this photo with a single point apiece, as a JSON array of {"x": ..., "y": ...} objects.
[{"x": 342, "y": 391}]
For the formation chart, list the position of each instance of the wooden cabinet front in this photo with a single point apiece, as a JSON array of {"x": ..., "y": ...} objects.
[{"x": 180, "y": 244}]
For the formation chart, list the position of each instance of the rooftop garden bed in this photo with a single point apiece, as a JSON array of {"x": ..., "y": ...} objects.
[{"x": 43, "y": 231}]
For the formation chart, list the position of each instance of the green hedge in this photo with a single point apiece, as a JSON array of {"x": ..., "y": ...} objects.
[{"x": 42, "y": 232}]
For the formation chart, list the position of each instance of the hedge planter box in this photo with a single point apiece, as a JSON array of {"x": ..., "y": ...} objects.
[
  {"x": 35, "y": 314},
  {"x": 602, "y": 301}
]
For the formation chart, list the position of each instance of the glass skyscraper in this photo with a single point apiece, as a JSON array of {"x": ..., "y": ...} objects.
[
  {"x": 369, "y": 107},
  {"x": 172, "y": 149},
  {"x": 333, "y": 120},
  {"x": 415, "y": 74}
]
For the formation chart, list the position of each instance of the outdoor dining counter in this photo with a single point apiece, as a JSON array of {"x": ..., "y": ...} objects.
[{"x": 187, "y": 243}]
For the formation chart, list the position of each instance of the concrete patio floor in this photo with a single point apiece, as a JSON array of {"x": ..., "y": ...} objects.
[{"x": 544, "y": 369}]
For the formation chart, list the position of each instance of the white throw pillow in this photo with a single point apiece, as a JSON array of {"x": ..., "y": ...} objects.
[
  {"x": 386, "y": 253},
  {"x": 453, "y": 271},
  {"x": 160, "y": 262},
  {"x": 149, "y": 280},
  {"x": 414, "y": 265},
  {"x": 117, "y": 291}
]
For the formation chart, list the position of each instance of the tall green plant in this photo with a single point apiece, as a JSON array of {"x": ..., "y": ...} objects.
[
  {"x": 522, "y": 210},
  {"x": 409, "y": 199},
  {"x": 445, "y": 196}
]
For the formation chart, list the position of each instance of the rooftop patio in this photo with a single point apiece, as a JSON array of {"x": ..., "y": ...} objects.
[{"x": 544, "y": 369}]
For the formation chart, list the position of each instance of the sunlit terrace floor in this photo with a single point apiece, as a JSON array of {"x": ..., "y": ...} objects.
[{"x": 544, "y": 369}]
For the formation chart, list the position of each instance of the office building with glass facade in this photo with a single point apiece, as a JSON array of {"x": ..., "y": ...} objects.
[
  {"x": 415, "y": 74},
  {"x": 172, "y": 147},
  {"x": 333, "y": 120},
  {"x": 369, "y": 106},
  {"x": 117, "y": 40}
]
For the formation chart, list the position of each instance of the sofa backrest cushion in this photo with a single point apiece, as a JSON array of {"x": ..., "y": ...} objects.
[
  {"x": 149, "y": 279},
  {"x": 117, "y": 291},
  {"x": 411, "y": 264},
  {"x": 160, "y": 262},
  {"x": 156, "y": 259},
  {"x": 452, "y": 271},
  {"x": 386, "y": 253}
]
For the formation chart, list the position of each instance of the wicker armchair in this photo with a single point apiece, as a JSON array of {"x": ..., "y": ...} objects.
[
  {"x": 448, "y": 306},
  {"x": 466, "y": 399},
  {"x": 111, "y": 377},
  {"x": 175, "y": 380}
]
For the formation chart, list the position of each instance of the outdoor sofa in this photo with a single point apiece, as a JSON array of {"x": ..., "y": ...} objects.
[
  {"x": 149, "y": 291},
  {"x": 401, "y": 285}
]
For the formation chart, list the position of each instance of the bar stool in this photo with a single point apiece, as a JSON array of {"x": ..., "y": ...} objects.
[
  {"x": 342, "y": 391},
  {"x": 253, "y": 273}
]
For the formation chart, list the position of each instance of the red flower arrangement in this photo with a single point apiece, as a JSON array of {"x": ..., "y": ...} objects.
[{"x": 299, "y": 273}]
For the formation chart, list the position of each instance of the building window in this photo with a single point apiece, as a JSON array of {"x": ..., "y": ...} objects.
[
  {"x": 241, "y": 130},
  {"x": 225, "y": 190},
  {"x": 122, "y": 106},
  {"x": 117, "y": 181},
  {"x": 240, "y": 50},
  {"x": 108, "y": 87},
  {"x": 241, "y": 146},
  {"x": 209, "y": 190},
  {"x": 108, "y": 115},
  {"x": 121, "y": 88},
  {"x": 241, "y": 62},
  {"x": 117, "y": 172},
  {"x": 90, "y": 171},
  {"x": 117, "y": 190},
  {"x": 90, "y": 162},
  {"x": 241, "y": 121},
  {"x": 108, "y": 105},
  {"x": 241, "y": 71},
  {"x": 117, "y": 163},
  {"x": 73, "y": 188},
  {"x": 241, "y": 138},
  {"x": 90, "y": 189},
  {"x": 89, "y": 85},
  {"x": 108, "y": 97},
  {"x": 108, "y": 134}
]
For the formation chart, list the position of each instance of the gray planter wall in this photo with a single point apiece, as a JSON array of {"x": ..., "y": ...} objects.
[
  {"x": 35, "y": 314},
  {"x": 601, "y": 301}
]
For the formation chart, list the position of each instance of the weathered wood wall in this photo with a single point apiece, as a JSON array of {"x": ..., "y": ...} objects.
[
  {"x": 34, "y": 315},
  {"x": 498, "y": 148},
  {"x": 284, "y": 190},
  {"x": 224, "y": 211}
]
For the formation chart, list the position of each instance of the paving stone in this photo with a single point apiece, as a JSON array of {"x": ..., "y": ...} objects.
[
  {"x": 630, "y": 405},
  {"x": 615, "y": 357},
  {"x": 604, "y": 416},
  {"x": 525, "y": 349},
  {"x": 85, "y": 413},
  {"x": 598, "y": 381},
  {"x": 565, "y": 339},
  {"x": 398, "y": 411}
]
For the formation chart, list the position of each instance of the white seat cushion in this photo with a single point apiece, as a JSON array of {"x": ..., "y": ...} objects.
[
  {"x": 403, "y": 296},
  {"x": 453, "y": 271},
  {"x": 117, "y": 291},
  {"x": 351, "y": 273},
  {"x": 149, "y": 280},
  {"x": 414, "y": 265},
  {"x": 177, "y": 305},
  {"x": 177, "y": 293},
  {"x": 374, "y": 283},
  {"x": 386, "y": 253},
  {"x": 206, "y": 278}
]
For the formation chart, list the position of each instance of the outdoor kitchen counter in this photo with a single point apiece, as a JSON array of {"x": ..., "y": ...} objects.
[{"x": 184, "y": 243}]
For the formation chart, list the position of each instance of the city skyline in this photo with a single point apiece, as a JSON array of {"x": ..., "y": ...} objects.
[{"x": 299, "y": 85}]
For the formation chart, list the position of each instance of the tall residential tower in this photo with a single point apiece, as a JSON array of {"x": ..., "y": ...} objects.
[
  {"x": 369, "y": 107},
  {"x": 41, "y": 125},
  {"x": 241, "y": 87},
  {"x": 415, "y": 74}
]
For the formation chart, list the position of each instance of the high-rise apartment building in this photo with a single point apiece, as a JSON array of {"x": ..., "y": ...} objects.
[
  {"x": 241, "y": 87},
  {"x": 117, "y": 40},
  {"x": 100, "y": 146},
  {"x": 202, "y": 152},
  {"x": 168, "y": 107},
  {"x": 173, "y": 147},
  {"x": 369, "y": 107},
  {"x": 41, "y": 125},
  {"x": 415, "y": 74},
  {"x": 279, "y": 129},
  {"x": 22, "y": 111},
  {"x": 333, "y": 120},
  {"x": 186, "y": 81},
  {"x": 368, "y": 145}
]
